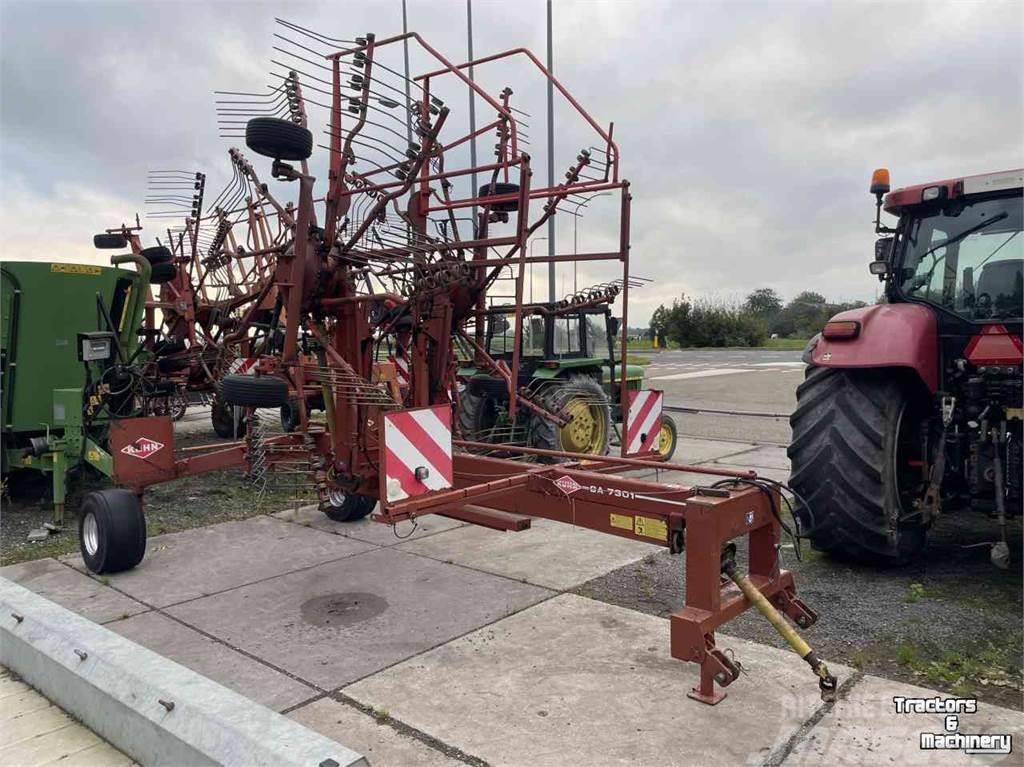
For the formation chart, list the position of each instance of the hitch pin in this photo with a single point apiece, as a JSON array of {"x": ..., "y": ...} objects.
[{"x": 826, "y": 682}]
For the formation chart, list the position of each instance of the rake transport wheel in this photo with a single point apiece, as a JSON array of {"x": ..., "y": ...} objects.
[
  {"x": 254, "y": 391},
  {"x": 111, "y": 531},
  {"x": 222, "y": 417},
  {"x": 856, "y": 461},
  {"x": 289, "y": 416},
  {"x": 158, "y": 254},
  {"x": 585, "y": 403},
  {"x": 278, "y": 139},
  {"x": 345, "y": 507},
  {"x": 500, "y": 189},
  {"x": 162, "y": 272}
]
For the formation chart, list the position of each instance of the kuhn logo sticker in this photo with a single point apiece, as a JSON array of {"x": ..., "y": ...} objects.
[
  {"x": 568, "y": 485},
  {"x": 143, "y": 447}
]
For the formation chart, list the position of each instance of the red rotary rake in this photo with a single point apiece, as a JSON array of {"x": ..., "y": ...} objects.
[{"x": 409, "y": 248}]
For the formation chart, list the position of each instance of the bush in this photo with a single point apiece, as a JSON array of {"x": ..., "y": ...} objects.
[{"x": 704, "y": 322}]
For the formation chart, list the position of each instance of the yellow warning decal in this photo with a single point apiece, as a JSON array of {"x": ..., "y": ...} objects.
[
  {"x": 93, "y": 455},
  {"x": 621, "y": 521},
  {"x": 650, "y": 527},
  {"x": 1014, "y": 412},
  {"x": 75, "y": 269}
]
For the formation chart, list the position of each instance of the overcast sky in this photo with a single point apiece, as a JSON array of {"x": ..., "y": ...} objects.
[{"x": 748, "y": 130}]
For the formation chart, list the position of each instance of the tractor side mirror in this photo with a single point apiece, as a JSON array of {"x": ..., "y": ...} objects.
[
  {"x": 613, "y": 325},
  {"x": 883, "y": 251}
]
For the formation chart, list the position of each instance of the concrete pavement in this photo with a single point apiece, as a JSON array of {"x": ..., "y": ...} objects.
[
  {"x": 34, "y": 732},
  {"x": 459, "y": 645}
]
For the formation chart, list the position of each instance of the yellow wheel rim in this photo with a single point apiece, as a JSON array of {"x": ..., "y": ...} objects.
[
  {"x": 664, "y": 440},
  {"x": 585, "y": 432}
]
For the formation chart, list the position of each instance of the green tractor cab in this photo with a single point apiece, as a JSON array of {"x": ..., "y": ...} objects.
[{"x": 567, "y": 367}]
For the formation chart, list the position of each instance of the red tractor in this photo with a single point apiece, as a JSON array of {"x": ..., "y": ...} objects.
[{"x": 912, "y": 407}]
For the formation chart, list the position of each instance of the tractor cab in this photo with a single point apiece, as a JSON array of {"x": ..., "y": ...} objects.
[
  {"x": 557, "y": 341},
  {"x": 567, "y": 368}
]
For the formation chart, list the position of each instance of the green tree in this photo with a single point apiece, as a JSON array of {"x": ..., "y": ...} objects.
[
  {"x": 659, "y": 323},
  {"x": 763, "y": 302}
]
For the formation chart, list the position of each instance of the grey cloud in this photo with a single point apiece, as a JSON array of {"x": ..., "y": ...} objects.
[{"x": 748, "y": 130}]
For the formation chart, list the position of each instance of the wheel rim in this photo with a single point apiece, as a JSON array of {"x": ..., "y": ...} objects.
[
  {"x": 585, "y": 431},
  {"x": 336, "y": 497},
  {"x": 91, "y": 534},
  {"x": 664, "y": 439}
]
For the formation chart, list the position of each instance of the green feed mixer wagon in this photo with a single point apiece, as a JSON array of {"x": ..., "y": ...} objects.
[{"x": 70, "y": 357}]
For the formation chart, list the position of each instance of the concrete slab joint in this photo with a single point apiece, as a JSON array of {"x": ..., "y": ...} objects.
[{"x": 156, "y": 711}]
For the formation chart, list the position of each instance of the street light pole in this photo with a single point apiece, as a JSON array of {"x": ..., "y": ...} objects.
[
  {"x": 551, "y": 161},
  {"x": 533, "y": 242}
]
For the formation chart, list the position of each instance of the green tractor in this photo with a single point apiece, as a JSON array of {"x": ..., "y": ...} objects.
[{"x": 567, "y": 367}]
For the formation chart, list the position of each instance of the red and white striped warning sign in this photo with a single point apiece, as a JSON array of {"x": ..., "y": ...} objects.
[
  {"x": 243, "y": 366},
  {"x": 417, "y": 451},
  {"x": 644, "y": 421},
  {"x": 400, "y": 359}
]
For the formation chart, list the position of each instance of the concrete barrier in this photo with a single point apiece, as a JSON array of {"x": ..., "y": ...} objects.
[{"x": 156, "y": 711}]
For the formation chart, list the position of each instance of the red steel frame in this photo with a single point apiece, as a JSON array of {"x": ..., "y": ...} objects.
[{"x": 318, "y": 278}]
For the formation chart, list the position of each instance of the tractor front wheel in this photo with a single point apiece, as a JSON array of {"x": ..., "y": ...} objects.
[
  {"x": 666, "y": 438},
  {"x": 856, "y": 465}
]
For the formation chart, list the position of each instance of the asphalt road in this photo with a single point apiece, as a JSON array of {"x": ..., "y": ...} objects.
[{"x": 754, "y": 381}]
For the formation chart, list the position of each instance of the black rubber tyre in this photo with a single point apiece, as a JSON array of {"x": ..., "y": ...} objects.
[
  {"x": 111, "y": 531},
  {"x": 158, "y": 254},
  {"x": 254, "y": 391},
  {"x": 500, "y": 189},
  {"x": 290, "y": 416},
  {"x": 161, "y": 273},
  {"x": 477, "y": 415},
  {"x": 109, "y": 241},
  {"x": 278, "y": 139},
  {"x": 223, "y": 418},
  {"x": 848, "y": 430},
  {"x": 547, "y": 435},
  {"x": 349, "y": 508},
  {"x": 668, "y": 432}
]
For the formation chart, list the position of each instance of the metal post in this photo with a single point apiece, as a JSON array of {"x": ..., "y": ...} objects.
[
  {"x": 551, "y": 160},
  {"x": 472, "y": 104},
  {"x": 408, "y": 95}
]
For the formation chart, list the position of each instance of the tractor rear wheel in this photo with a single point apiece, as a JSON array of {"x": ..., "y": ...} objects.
[
  {"x": 856, "y": 463},
  {"x": 112, "y": 531},
  {"x": 589, "y": 428},
  {"x": 344, "y": 507},
  {"x": 477, "y": 415}
]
